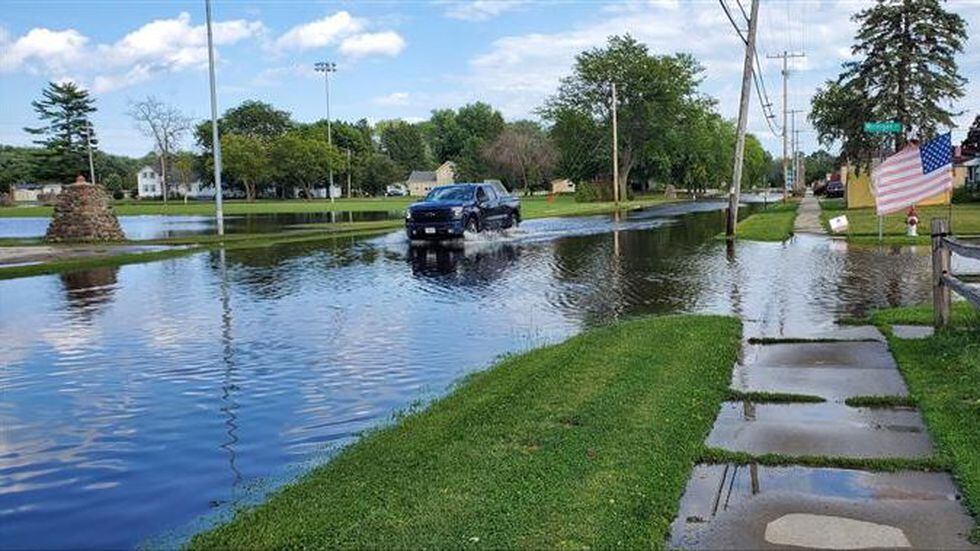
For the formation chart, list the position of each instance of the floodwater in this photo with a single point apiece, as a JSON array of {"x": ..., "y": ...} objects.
[
  {"x": 142, "y": 402},
  {"x": 158, "y": 226}
]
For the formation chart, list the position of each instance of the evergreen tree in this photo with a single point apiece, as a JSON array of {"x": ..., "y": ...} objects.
[
  {"x": 64, "y": 111},
  {"x": 971, "y": 145},
  {"x": 907, "y": 64}
]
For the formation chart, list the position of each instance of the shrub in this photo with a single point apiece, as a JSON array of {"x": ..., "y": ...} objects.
[
  {"x": 586, "y": 192},
  {"x": 119, "y": 195},
  {"x": 965, "y": 195}
]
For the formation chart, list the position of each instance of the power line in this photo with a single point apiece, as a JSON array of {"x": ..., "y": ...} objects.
[{"x": 731, "y": 19}]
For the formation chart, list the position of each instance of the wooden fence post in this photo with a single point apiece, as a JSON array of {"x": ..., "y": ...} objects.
[{"x": 941, "y": 298}]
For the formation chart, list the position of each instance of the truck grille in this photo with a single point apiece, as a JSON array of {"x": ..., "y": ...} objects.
[{"x": 440, "y": 215}]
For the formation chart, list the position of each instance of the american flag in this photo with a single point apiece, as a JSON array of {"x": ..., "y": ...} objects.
[{"x": 913, "y": 174}]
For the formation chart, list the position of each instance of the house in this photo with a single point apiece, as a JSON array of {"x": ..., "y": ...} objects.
[
  {"x": 149, "y": 185},
  {"x": 562, "y": 185},
  {"x": 32, "y": 193},
  {"x": 421, "y": 182}
]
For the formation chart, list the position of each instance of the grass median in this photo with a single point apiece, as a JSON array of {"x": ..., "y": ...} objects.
[
  {"x": 587, "y": 443},
  {"x": 774, "y": 223},
  {"x": 533, "y": 207},
  {"x": 863, "y": 223}
]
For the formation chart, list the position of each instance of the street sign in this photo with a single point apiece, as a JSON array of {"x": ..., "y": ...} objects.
[
  {"x": 884, "y": 127},
  {"x": 790, "y": 178}
]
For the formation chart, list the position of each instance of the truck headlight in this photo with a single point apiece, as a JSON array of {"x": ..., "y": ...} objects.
[
  {"x": 408, "y": 214},
  {"x": 457, "y": 212}
]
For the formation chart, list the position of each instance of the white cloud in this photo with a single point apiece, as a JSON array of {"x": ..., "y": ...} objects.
[
  {"x": 162, "y": 45},
  {"x": 326, "y": 31},
  {"x": 394, "y": 98},
  {"x": 480, "y": 10},
  {"x": 42, "y": 49},
  {"x": 388, "y": 43}
]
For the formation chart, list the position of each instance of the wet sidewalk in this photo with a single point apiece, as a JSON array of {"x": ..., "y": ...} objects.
[
  {"x": 808, "y": 216},
  {"x": 749, "y": 506}
]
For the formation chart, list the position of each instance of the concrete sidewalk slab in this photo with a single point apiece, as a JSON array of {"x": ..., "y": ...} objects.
[
  {"x": 866, "y": 355},
  {"x": 736, "y": 507},
  {"x": 912, "y": 331},
  {"x": 823, "y": 429},
  {"x": 799, "y": 330},
  {"x": 829, "y": 382},
  {"x": 808, "y": 216}
]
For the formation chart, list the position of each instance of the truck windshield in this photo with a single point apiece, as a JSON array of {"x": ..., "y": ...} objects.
[{"x": 461, "y": 193}]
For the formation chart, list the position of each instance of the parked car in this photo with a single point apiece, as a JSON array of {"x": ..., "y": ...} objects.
[
  {"x": 834, "y": 189},
  {"x": 449, "y": 211},
  {"x": 396, "y": 190}
]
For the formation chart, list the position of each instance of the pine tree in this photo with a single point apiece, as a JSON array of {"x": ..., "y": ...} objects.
[
  {"x": 971, "y": 145},
  {"x": 907, "y": 64},
  {"x": 64, "y": 110}
]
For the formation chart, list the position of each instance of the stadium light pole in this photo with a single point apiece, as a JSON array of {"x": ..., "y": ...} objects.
[
  {"x": 215, "y": 138},
  {"x": 327, "y": 67}
]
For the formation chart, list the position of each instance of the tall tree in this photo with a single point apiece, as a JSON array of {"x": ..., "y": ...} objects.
[
  {"x": 524, "y": 152},
  {"x": 580, "y": 143},
  {"x": 403, "y": 142},
  {"x": 652, "y": 91},
  {"x": 64, "y": 110},
  {"x": 905, "y": 71},
  {"x": 838, "y": 113},
  {"x": 246, "y": 160},
  {"x": 971, "y": 145},
  {"x": 250, "y": 118},
  {"x": 303, "y": 161},
  {"x": 166, "y": 126}
]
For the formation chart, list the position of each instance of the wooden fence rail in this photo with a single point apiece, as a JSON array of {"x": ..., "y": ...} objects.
[{"x": 943, "y": 280}]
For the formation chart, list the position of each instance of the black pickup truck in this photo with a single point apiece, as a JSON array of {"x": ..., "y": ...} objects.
[{"x": 449, "y": 211}]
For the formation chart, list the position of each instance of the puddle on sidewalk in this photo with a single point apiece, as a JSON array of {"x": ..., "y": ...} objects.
[
  {"x": 731, "y": 506},
  {"x": 822, "y": 429}
]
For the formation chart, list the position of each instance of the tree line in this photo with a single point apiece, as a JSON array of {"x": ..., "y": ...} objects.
[{"x": 669, "y": 133}]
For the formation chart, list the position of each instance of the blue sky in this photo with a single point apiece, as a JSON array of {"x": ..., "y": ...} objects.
[{"x": 396, "y": 59}]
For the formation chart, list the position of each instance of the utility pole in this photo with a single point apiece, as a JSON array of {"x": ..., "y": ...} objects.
[
  {"x": 794, "y": 147},
  {"x": 731, "y": 221},
  {"x": 615, "y": 147},
  {"x": 785, "y": 56},
  {"x": 215, "y": 138},
  {"x": 348, "y": 173},
  {"x": 326, "y": 68},
  {"x": 88, "y": 144}
]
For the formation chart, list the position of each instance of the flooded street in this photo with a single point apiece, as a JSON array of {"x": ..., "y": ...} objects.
[{"x": 139, "y": 400}]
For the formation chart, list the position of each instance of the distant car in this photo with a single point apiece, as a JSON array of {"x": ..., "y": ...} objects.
[
  {"x": 450, "y": 211},
  {"x": 834, "y": 189},
  {"x": 396, "y": 191}
]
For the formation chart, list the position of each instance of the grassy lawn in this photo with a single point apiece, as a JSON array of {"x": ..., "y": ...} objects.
[
  {"x": 943, "y": 376},
  {"x": 775, "y": 223},
  {"x": 587, "y": 443},
  {"x": 863, "y": 223},
  {"x": 533, "y": 207}
]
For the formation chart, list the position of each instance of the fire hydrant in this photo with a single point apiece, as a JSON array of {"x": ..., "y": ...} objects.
[{"x": 911, "y": 222}]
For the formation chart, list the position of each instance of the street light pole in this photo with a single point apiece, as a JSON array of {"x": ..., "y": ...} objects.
[
  {"x": 215, "y": 138},
  {"x": 615, "y": 147},
  {"x": 326, "y": 68},
  {"x": 88, "y": 144}
]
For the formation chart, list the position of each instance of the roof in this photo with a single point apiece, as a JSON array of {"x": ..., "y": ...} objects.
[{"x": 421, "y": 176}]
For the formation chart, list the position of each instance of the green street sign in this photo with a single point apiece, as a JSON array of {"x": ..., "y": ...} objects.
[{"x": 885, "y": 127}]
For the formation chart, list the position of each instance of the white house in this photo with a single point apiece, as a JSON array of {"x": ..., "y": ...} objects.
[
  {"x": 31, "y": 193},
  {"x": 149, "y": 185}
]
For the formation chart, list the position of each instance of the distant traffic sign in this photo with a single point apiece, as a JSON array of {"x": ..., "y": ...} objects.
[{"x": 884, "y": 127}]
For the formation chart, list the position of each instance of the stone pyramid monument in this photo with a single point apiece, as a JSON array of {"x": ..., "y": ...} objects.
[{"x": 83, "y": 212}]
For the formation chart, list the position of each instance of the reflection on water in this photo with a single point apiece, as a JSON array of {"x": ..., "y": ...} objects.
[
  {"x": 140, "y": 398},
  {"x": 160, "y": 226}
]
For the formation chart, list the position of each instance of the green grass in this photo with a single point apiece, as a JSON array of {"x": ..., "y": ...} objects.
[
  {"x": 962, "y": 314},
  {"x": 863, "y": 223},
  {"x": 189, "y": 246},
  {"x": 587, "y": 443},
  {"x": 775, "y": 223},
  {"x": 532, "y": 207},
  {"x": 879, "y": 401},
  {"x": 943, "y": 376},
  {"x": 772, "y": 397},
  {"x": 885, "y": 464}
]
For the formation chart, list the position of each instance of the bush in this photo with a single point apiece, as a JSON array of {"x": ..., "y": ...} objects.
[
  {"x": 966, "y": 195},
  {"x": 119, "y": 195},
  {"x": 587, "y": 192}
]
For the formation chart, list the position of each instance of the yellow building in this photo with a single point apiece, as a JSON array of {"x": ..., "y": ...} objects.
[{"x": 857, "y": 190}]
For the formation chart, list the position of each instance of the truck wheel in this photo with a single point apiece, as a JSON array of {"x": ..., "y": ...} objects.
[
  {"x": 472, "y": 225},
  {"x": 515, "y": 219}
]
